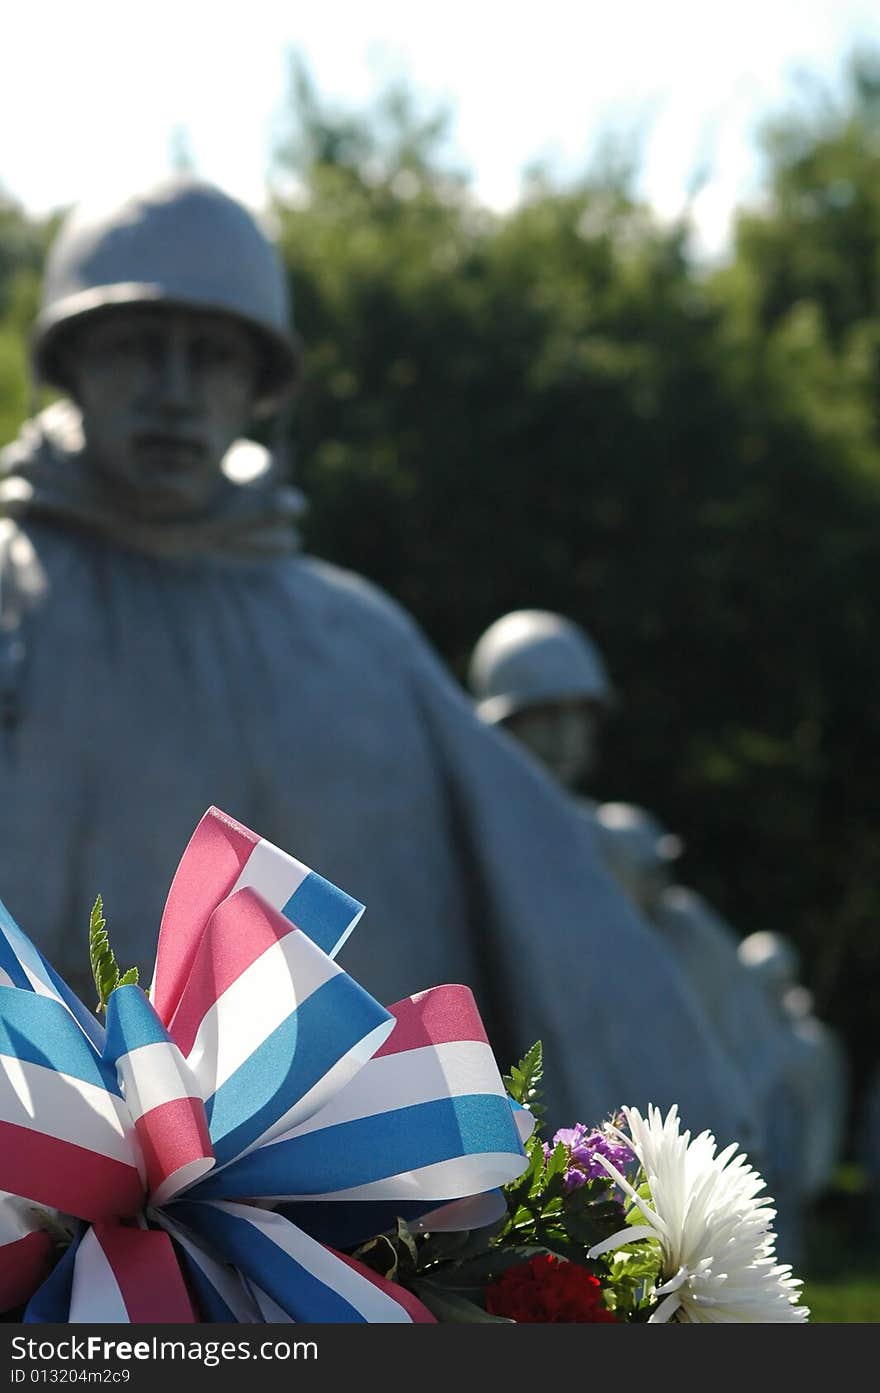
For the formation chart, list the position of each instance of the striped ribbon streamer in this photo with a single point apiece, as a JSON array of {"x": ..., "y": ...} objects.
[
  {"x": 23, "y": 965},
  {"x": 222, "y": 857},
  {"x": 114, "y": 1275},
  {"x": 258, "y": 1073},
  {"x": 305, "y": 1280},
  {"x": 25, "y": 1252},
  {"x": 66, "y": 1138},
  {"x": 426, "y": 1120},
  {"x": 269, "y": 1025},
  {"x": 161, "y": 1094}
]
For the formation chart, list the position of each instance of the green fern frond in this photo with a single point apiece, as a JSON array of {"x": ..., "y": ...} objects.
[{"x": 105, "y": 968}]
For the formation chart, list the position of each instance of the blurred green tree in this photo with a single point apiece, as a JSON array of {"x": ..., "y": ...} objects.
[
  {"x": 23, "y": 244},
  {"x": 559, "y": 408}
]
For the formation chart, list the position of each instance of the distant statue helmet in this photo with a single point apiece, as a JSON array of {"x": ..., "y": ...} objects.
[
  {"x": 773, "y": 958},
  {"x": 531, "y": 657},
  {"x": 638, "y": 834},
  {"x": 636, "y": 848},
  {"x": 183, "y": 243}
]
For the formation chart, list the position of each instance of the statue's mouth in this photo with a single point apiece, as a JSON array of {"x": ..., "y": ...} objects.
[{"x": 170, "y": 448}]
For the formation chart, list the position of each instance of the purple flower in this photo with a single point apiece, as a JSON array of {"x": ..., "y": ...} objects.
[{"x": 582, "y": 1147}]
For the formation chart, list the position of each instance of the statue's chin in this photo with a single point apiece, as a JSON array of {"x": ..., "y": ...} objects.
[
  {"x": 569, "y": 773},
  {"x": 167, "y": 486},
  {"x": 163, "y": 500}
]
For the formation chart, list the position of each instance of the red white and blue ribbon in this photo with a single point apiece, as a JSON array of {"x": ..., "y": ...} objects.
[{"x": 211, "y": 1144}]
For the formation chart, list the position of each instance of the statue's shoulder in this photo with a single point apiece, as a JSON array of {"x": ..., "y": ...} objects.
[
  {"x": 23, "y": 580},
  {"x": 347, "y": 600},
  {"x": 685, "y": 911}
]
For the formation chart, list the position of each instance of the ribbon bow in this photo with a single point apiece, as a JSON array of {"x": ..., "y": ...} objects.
[{"x": 257, "y": 1074}]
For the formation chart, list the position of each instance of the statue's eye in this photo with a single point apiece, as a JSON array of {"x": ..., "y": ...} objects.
[
  {"x": 218, "y": 353},
  {"x": 126, "y": 343}
]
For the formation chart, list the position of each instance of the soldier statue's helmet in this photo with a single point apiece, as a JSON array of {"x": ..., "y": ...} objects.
[
  {"x": 532, "y": 657},
  {"x": 773, "y": 957},
  {"x": 633, "y": 841},
  {"x": 183, "y": 243}
]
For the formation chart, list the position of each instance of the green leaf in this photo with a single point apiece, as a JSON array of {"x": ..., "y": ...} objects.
[
  {"x": 555, "y": 1241},
  {"x": 486, "y": 1266},
  {"x": 631, "y": 1278},
  {"x": 61, "y": 1236},
  {"x": 523, "y": 1081},
  {"x": 442, "y": 1247},
  {"x": 642, "y": 1260},
  {"x": 527, "y": 1184},
  {"x": 551, "y": 1194},
  {"x": 452, "y": 1249},
  {"x": 379, "y": 1254},
  {"x": 591, "y": 1223},
  {"x": 557, "y": 1163},
  {"x": 633, "y": 1214},
  {"x": 104, "y": 968},
  {"x": 451, "y": 1306},
  {"x": 406, "y": 1245}
]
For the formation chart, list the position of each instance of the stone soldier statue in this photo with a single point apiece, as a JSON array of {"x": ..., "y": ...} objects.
[
  {"x": 167, "y": 647},
  {"x": 638, "y": 851},
  {"x": 817, "y": 1056},
  {"x": 642, "y": 856},
  {"x": 538, "y": 676}
]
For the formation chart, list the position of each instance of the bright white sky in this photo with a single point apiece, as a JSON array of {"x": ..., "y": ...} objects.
[{"x": 92, "y": 92}]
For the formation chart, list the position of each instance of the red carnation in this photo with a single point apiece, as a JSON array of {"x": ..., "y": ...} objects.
[{"x": 546, "y": 1289}]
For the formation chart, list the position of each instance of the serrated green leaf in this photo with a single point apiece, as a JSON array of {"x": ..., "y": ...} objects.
[
  {"x": 641, "y": 1261},
  {"x": 521, "y": 1216},
  {"x": 631, "y": 1279},
  {"x": 104, "y": 968},
  {"x": 529, "y": 1183},
  {"x": 552, "y": 1194},
  {"x": 557, "y": 1162},
  {"x": 523, "y": 1081},
  {"x": 589, "y": 1224}
]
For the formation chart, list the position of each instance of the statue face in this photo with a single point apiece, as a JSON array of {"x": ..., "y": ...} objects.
[
  {"x": 163, "y": 394},
  {"x": 562, "y": 735},
  {"x": 644, "y": 884}
]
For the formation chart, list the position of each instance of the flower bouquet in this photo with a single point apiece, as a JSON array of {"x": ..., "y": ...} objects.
[
  {"x": 257, "y": 1139},
  {"x": 630, "y": 1221}
]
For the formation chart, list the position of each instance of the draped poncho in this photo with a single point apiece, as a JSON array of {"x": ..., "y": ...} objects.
[{"x": 148, "y": 672}]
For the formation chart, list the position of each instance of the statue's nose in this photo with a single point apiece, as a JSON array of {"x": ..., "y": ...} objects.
[{"x": 176, "y": 378}]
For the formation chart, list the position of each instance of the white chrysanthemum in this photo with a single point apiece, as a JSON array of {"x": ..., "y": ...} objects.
[{"x": 719, "y": 1259}]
